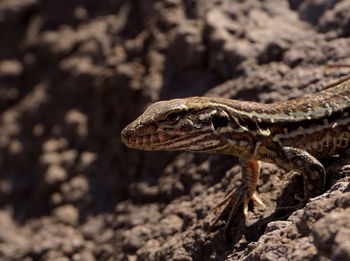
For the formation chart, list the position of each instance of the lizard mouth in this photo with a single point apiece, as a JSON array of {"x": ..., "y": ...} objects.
[
  {"x": 145, "y": 141},
  {"x": 160, "y": 140}
]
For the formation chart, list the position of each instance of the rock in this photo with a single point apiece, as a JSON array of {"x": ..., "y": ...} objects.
[
  {"x": 135, "y": 238},
  {"x": 50, "y": 158},
  {"x": 187, "y": 39},
  {"x": 53, "y": 145},
  {"x": 76, "y": 189},
  {"x": 78, "y": 121},
  {"x": 55, "y": 174},
  {"x": 10, "y": 68},
  {"x": 68, "y": 158},
  {"x": 67, "y": 214},
  {"x": 226, "y": 50},
  {"x": 53, "y": 255},
  {"x": 312, "y": 10},
  {"x": 87, "y": 158},
  {"x": 13, "y": 242},
  {"x": 84, "y": 256},
  {"x": 336, "y": 20},
  {"x": 93, "y": 227},
  {"x": 331, "y": 232}
]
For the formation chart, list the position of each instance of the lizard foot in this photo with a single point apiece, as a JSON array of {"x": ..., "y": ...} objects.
[{"x": 231, "y": 204}]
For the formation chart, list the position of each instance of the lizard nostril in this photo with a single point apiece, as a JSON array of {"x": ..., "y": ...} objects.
[{"x": 126, "y": 135}]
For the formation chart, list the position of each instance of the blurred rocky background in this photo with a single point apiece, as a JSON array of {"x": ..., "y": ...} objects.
[{"x": 74, "y": 73}]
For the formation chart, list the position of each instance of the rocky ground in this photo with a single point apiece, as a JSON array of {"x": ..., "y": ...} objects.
[{"x": 74, "y": 73}]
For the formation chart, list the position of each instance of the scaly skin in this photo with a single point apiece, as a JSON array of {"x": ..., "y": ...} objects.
[{"x": 292, "y": 134}]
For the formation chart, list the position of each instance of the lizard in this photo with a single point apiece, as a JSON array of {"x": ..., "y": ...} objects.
[{"x": 293, "y": 134}]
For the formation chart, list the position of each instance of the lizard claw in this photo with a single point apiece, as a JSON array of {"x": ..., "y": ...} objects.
[
  {"x": 230, "y": 206},
  {"x": 257, "y": 200}
]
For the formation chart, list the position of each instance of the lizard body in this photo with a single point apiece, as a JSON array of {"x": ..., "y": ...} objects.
[{"x": 293, "y": 134}]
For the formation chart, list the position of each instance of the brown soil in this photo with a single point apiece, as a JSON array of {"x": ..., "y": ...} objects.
[{"x": 74, "y": 73}]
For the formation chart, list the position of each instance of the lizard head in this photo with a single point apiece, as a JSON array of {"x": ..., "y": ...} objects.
[{"x": 191, "y": 124}]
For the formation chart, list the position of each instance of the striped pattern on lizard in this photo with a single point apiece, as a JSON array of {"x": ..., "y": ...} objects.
[{"x": 293, "y": 134}]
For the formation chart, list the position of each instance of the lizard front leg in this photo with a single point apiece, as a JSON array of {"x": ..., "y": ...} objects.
[
  {"x": 241, "y": 195},
  {"x": 298, "y": 160},
  {"x": 292, "y": 159},
  {"x": 313, "y": 172}
]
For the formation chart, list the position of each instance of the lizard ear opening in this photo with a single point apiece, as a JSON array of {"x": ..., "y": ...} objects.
[{"x": 219, "y": 121}]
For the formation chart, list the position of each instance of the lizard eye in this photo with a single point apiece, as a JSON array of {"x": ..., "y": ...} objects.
[{"x": 173, "y": 117}]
